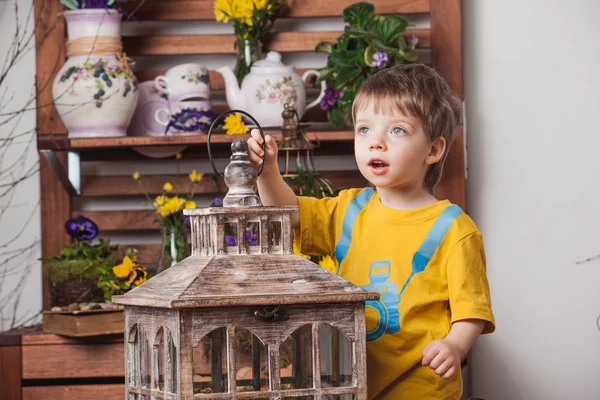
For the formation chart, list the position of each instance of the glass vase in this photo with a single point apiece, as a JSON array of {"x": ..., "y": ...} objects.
[{"x": 248, "y": 51}]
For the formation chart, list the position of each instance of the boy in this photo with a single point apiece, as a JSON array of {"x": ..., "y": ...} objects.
[{"x": 424, "y": 256}]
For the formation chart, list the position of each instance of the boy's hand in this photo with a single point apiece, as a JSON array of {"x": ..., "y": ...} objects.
[
  {"x": 443, "y": 357},
  {"x": 255, "y": 151}
]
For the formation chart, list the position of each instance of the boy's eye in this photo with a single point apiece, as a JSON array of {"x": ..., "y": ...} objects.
[
  {"x": 398, "y": 131},
  {"x": 364, "y": 131}
]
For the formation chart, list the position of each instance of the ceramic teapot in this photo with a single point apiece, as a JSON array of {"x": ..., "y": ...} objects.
[{"x": 269, "y": 85}]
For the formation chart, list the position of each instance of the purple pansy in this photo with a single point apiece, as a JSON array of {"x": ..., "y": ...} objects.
[
  {"x": 251, "y": 238},
  {"x": 330, "y": 98},
  {"x": 81, "y": 228},
  {"x": 217, "y": 202},
  {"x": 380, "y": 59},
  {"x": 186, "y": 220},
  {"x": 230, "y": 240}
]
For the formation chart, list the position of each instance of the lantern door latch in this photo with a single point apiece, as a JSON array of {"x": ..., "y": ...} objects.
[{"x": 275, "y": 314}]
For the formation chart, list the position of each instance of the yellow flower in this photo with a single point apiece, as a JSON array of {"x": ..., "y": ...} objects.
[
  {"x": 136, "y": 176},
  {"x": 261, "y": 4},
  {"x": 172, "y": 206},
  {"x": 195, "y": 177},
  {"x": 122, "y": 270},
  {"x": 160, "y": 200},
  {"x": 239, "y": 10},
  {"x": 167, "y": 188},
  {"x": 137, "y": 276},
  {"x": 178, "y": 156},
  {"x": 189, "y": 204},
  {"x": 234, "y": 125},
  {"x": 328, "y": 263}
]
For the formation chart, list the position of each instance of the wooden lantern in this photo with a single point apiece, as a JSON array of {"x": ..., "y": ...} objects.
[{"x": 244, "y": 317}]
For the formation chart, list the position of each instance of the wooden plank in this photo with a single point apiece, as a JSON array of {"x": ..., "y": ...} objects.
[
  {"x": 181, "y": 10},
  {"x": 73, "y": 361},
  {"x": 87, "y": 392},
  {"x": 138, "y": 141},
  {"x": 46, "y": 339},
  {"x": 101, "y": 186},
  {"x": 55, "y": 206},
  {"x": 129, "y": 220},
  {"x": 93, "y": 323},
  {"x": 10, "y": 372},
  {"x": 223, "y": 44},
  {"x": 446, "y": 53},
  {"x": 50, "y": 57}
]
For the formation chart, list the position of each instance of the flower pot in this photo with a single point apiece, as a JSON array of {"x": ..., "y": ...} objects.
[{"x": 95, "y": 91}]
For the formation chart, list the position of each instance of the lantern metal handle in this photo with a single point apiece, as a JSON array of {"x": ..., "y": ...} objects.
[
  {"x": 276, "y": 314},
  {"x": 214, "y": 123}
]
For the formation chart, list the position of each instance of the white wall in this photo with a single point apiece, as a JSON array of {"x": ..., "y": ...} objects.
[
  {"x": 20, "y": 224},
  {"x": 533, "y": 98}
]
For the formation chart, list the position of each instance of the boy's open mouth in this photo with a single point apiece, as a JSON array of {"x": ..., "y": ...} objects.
[{"x": 378, "y": 166}]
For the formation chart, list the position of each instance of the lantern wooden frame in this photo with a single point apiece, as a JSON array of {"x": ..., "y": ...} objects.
[{"x": 263, "y": 288}]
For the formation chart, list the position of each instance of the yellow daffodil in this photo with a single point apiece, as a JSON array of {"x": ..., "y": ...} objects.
[
  {"x": 178, "y": 156},
  {"x": 160, "y": 200},
  {"x": 173, "y": 205},
  {"x": 167, "y": 188},
  {"x": 234, "y": 125},
  {"x": 239, "y": 10},
  {"x": 261, "y": 4},
  {"x": 122, "y": 270},
  {"x": 136, "y": 176},
  {"x": 190, "y": 204},
  {"x": 328, "y": 263},
  {"x": 195, "y": 177}
]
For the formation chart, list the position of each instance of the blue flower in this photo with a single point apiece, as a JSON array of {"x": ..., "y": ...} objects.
[
  {"x": 330, "y": 98},
  {"x": 380, "y": 59},
  {"x": 230, "y": 240},
  {"x": 217, "y": 202},
  {"x": 81, "y": 228}
]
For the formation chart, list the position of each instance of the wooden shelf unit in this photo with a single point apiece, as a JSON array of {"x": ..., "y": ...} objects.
[{"x": 97, "y": 363}]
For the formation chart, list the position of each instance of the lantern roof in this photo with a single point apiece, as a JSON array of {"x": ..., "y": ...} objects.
[
  {"x": 220, "y": 273},
  {"x": 226, "y": 281}
]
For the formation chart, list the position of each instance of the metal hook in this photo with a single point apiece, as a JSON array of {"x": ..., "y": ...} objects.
[{"x": 264, "y": 145}]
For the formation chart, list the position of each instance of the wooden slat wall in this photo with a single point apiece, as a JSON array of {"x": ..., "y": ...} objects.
[{"x": 183, "y": 10}]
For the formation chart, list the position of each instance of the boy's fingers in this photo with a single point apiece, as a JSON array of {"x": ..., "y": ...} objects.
[
  {"x": 255, "y": 147},
  {"x": 256, "y": 135},
  {"x": 429, "y": 354}
]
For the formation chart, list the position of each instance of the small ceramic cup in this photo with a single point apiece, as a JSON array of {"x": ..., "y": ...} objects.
[
  {"x": 183, "y": 82},
  {"x": 176, "y": 114}
]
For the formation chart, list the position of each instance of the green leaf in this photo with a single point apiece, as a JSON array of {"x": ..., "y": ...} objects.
[
  {"x": 354, "y": 32},
  {"x": 359, "y": 14},
  {"x": 390, "y": 28},
  {"x": 70, "y": 4},
  {"x": 339, "y": 59},
  {"x": 343, "y": 41},
  {"x": 324, "y": 47},
  {"x": 346, "y": 75},
  {"x": 324, "y": 74},
  {"x": 336, "y": 116},
  {"x": 379, "y": 45},
  {"x": 368, "y": 55}
]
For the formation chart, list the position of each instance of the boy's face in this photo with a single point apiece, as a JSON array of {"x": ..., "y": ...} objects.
[{"x": 391, "y": 148}]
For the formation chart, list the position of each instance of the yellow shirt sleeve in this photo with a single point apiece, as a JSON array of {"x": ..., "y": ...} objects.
[
  {"x": 316, "y": 234},
  {"x": 468, "y": 287}
]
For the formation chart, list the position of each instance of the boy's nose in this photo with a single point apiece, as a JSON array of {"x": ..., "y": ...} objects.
[{"x": 377, "y": 144}]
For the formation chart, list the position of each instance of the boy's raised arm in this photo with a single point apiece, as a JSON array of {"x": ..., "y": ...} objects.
[{"x": 273, "y": 190}]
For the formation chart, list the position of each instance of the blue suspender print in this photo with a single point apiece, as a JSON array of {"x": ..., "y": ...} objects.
[
  {"x": 354, "y": 208},
  {"x": 380, "y": 271}
]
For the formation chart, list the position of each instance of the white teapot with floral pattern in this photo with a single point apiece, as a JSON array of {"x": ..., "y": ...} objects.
[{"x": 269, "y": 85}]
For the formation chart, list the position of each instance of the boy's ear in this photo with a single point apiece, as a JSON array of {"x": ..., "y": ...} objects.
[{"x": 438, "y": 146}]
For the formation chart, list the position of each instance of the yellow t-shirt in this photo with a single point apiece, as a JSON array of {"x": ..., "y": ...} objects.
[{"x": 414, "y": 310}]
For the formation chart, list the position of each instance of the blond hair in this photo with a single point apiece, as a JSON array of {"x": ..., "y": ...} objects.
[{"x": 416, "y": 90}]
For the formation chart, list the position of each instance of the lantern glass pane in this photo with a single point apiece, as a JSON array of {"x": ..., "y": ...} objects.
[
  {"x": 275, "y": 233},
  {"x": 160, "y": 361},
  {"x": 336, "y": 357},
  {"x": 209, "y": 363},
  {"x": 252, "y": 234},
  {"x": 251, "y": 362},
  {"x": 132, "y": 396},
  {"x": 132, "y": 357},
  {"x": 295, "y": 360},
  {"x": 145, "y": 366},
  {"x": 230, "y": 236},
  {"x": 171, "y": 364}
]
